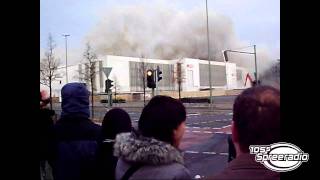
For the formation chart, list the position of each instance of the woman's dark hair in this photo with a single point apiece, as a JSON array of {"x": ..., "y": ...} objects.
[
  {"x": 115, "y": 121},
  {"x": 160, "y": 117}
]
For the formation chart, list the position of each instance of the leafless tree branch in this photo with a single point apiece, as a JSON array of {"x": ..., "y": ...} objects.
[
  {"x": 48, "y": 66},
  {"x": 89, "y": 75}
]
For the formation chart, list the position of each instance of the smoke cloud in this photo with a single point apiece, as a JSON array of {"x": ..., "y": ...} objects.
[{"x": 168, "y": 33}]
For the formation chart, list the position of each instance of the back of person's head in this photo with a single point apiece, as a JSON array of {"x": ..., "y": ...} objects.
[
  {"x": 160, "y": 117},
  {"x": 75, "y": 100},
  {"x": 44, "y": 100},
  {"x": 256, "y": 116},
  {"x": 115, "y": 121}
]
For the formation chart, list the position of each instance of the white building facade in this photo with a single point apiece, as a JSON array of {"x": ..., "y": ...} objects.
[{"x": 127, "y": 74}]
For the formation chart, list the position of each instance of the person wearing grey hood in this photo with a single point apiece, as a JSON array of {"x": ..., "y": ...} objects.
[
  {"x": 152, "y": 151},
  {"x": 75, "y": 136}
]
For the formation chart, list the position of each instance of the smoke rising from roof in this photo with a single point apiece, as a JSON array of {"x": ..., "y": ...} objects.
[{"x": 168, "y": 33}]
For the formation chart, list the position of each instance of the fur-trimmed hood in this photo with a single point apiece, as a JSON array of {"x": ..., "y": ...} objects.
[{"x": 136, "y": 148}]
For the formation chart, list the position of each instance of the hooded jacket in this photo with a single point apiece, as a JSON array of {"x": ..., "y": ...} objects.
[
  {"x": 75, "y": 136},
  {"x": 159, "y": 160}
]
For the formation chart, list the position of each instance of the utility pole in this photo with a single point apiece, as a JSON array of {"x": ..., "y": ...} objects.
[
  {"x": 210, "y": 85},
  {"x": 255, "y": 64},
  {"x": 115, "y": 90},
  {"x": 179, "y": 78},
  {"x": 151, "y": 80},
  {"x": 154, "y": 90},
  {"x": 66, "y": 40},
  {"x": 156, "y": 81}
]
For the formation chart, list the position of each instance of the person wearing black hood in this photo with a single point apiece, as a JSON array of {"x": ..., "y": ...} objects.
[
  {"x": 114, "y": 122},
  {"x": 75, "y": 136}
]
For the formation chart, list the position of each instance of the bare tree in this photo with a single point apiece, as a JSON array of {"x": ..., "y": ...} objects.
[
  {"x": 89, "y": 76},
  {"x": 116, "y": 87},
  {"x": 142, "y": 73},
  {"x": 179, "y": 78},
  {"x": 48, "y": 67}
]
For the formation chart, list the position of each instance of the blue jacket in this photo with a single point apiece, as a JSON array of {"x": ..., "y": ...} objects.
[
  {"x": 75, "y": 149},
  {"x": 76, "y": 136}
]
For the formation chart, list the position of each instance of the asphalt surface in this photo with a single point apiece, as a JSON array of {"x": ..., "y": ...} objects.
[
  {"x": 220, "y": 104},
  {"x": 205, "y": 140},
  {"x": 205, "y": 143}
]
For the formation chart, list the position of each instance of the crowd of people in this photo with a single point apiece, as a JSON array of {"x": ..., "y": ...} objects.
[{"x": 75, "y": 148}]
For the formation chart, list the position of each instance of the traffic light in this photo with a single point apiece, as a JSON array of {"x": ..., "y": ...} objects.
[
  {"x": 150, "y": 79},
  {"x": 108, "y": 83},
  {"x": 225, "y": 55},
  {"x": 159, "y": 73}
]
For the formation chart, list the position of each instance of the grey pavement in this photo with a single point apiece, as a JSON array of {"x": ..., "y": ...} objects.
[
  {"x": 205, "y": 141},
  {"x": 207, "y": 157}
]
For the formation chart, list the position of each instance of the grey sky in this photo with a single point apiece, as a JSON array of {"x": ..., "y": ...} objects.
[{"x": 254, "y": 21}]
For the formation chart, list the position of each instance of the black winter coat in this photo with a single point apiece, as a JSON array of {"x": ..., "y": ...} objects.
[
  {"x": 45, "y": 133},
  {"x": 107, "y": 162},
  {"x": 75, "y": 149}
]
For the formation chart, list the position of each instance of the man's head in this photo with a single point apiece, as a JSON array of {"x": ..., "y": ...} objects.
[
  {"x": 163, "y": 119},
  {"x": 75, "y": 100},
  {"x": 44, "y": 99},
  {"x": 256, "y": 117}
]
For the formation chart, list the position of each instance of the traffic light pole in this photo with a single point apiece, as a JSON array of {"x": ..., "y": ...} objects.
[
  {"x": 244, "y": 52},
  {"x": 208, "y": 42},
  {"x": 110, "y": 99},
  {"x": 156, "y": 81},
  {"x": 109, "y": 91},
  {"x": 153, "y": 76},
  {"x": 154, "y": 90},
  {"x": 108, "y": 96}
]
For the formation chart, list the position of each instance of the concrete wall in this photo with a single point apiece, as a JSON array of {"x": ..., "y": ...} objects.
[
  {"x": 192, "y": 82},
  {"x": 121, "y": 74},
  {"x": 120, "y": 71},
  {"x": 175, "y": 94},
  {"x": 231, "y": 73}
]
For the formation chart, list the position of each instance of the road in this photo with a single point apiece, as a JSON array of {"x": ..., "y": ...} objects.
[
  {"x": 205, "y": 140},
  {"x": 221, "y": 103},
  {"x": 205, "y": 143}
]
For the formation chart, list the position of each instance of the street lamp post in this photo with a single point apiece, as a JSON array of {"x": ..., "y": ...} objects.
[
  {"x": 66, "y": 40},
  {"x": 210, "y": 85},
  {"x": 255, "y": 64}
]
